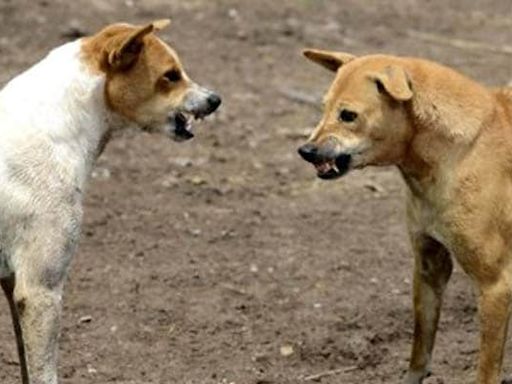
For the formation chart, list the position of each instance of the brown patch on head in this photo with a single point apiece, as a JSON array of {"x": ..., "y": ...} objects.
[
  {"x": 144, "y": 77},
  {"x": 115, "y": 43}
]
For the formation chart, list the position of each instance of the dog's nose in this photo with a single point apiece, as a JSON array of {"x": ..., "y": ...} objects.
[
  {"x": 214, "y": 102},
  {"x": 309, "y": 152}
]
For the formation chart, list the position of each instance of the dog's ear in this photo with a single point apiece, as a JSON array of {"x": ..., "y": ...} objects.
[
  {"x": 161, "y": 24},
  {"x": 128, "y": 50},
  {"x": 394, "y": 81},
  {"x": 328, "y": 59}
]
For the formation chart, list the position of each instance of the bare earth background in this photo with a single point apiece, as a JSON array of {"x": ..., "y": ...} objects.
[{"x": 224, "y": 260}]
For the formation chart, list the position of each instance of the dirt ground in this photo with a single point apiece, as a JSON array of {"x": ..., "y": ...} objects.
[{"x": 224, "y": 260}]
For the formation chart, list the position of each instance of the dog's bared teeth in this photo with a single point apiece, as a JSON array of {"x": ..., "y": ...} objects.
[{"x": 326, "y": 167}]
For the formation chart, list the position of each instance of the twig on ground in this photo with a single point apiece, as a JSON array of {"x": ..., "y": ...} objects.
[
  {"x": 331, "y": 372},
  {"x": 301, "y": 97},
  {"x": 460, "y": 43}
]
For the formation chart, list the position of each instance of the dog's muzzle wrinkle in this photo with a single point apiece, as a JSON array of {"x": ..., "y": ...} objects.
[{"x": 328, "y": 165}]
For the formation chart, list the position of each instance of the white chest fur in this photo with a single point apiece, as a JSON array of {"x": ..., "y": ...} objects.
[
  {"x": 52, "y": 118},
  {"x": 57, "y": 105}
]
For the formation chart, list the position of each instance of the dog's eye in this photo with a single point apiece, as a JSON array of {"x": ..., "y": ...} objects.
[
  {"x": 173, "y": 75},
  {"x": 347, "y": 116}
]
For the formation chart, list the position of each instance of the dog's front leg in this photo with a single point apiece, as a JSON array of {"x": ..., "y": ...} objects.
[
  {"x": 433, "y": 268},
  {"x": 39, "y": 309},
  {"x": 40, "y": 267},
  {"x": 494, "y": 311}
]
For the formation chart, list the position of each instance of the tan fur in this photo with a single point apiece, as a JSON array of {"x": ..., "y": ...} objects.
[{"x": 452, "y": 140}]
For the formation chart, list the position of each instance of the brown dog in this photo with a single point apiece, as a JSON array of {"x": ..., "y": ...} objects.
[{"x": 451, "y": 138}]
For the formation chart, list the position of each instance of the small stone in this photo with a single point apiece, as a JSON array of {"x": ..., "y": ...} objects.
[
  {"x": 286, "y": 350},
  {"x": 257, "y": 165},
  {"x": 101, "y": 173},
  {"x": 197, "y": 180},
  {"x": 195, "y": 232},
  {"x": 91, "y": 369},
  {"x": 85, "y": 319},
  {"x": 169, "y": 181},
  {"x": 182, "y": 161},
  {"x": 233, "y": 14},
  {"x": 242, "y": 35}
]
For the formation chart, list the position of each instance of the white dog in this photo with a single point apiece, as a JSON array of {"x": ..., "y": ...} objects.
[{"x": 55, "y": 119}]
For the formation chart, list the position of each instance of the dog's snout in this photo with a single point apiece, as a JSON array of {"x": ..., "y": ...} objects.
[
  {"x": 214, "y": 102},
  {"x": 309, "y": 152}
]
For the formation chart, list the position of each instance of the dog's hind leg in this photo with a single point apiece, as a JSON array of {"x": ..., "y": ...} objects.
[
  {"x": 433, "y": 268},
  {"x": 8, "y": 288}
]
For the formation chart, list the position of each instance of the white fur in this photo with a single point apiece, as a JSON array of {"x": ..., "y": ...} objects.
[
  {"x": 52, "y": 118},
  {"x": 52, "y": 121}
]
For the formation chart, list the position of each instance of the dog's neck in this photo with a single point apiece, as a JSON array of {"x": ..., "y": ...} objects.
[
  {"x": 60, "y": 102},
  {"x": 443, "y": 128}
]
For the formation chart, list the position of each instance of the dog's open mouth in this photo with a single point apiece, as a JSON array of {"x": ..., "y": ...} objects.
[
  {"x": 333, "y": 168},
  {"x": 182, "y": 124}
]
